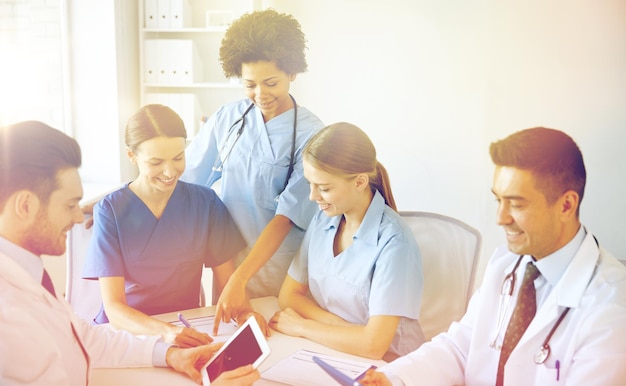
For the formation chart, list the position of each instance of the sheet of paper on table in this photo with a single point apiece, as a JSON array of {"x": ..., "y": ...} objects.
[
  {"x": 299, "y": 369},
  {"x": 205, "y": 324}
]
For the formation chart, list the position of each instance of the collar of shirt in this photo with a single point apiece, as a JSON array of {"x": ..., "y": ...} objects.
[
  {"x": 25, "y": 259},
  {"x": 368, "y": 231},
  {"x": 553, "y": 266}
]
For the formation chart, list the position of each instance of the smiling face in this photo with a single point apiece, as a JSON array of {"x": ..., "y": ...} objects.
[
  {"x": 161, "y": 161},
  {"x": 336, "y": 195},
  {"x": 48, "y": 235},
  {"x": 268, "y": 87},
  {"x": 532, "y": 226}
]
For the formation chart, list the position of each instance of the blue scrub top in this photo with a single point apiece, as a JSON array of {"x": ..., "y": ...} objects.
[
  {"x": 379, "y": 274},
  {"x": 161, "y": 260},
  {"x": 253, "y": 177}
]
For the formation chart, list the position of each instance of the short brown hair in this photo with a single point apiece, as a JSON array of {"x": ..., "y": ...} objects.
[
  {"x": 551, "y": 155},
  {"x": 31, "y": 155}
]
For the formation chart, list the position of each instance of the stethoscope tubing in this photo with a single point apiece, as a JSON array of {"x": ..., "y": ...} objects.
[
  {"x": 219, "y": 162},
  {"x": 218, "y": 165},
  {"x": 506, "y": 295}
]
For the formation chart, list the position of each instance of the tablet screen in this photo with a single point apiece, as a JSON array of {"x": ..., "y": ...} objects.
[{"x": 244, "y": 349}]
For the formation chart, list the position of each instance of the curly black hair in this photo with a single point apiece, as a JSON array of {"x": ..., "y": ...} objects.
[{"x": 263, "y": 36}]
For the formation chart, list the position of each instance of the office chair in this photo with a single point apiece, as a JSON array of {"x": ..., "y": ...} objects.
[
  {"x": 83, "y": 295},
  {"x": 450, "y": 251}
]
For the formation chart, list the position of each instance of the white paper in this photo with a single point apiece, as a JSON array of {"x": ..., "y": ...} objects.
[
  {"x": 299, "y": 369},
  {"x": 205, "y": 324}
]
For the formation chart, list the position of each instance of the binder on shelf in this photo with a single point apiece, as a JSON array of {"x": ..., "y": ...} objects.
[
  {"x": 150, "y": 67},
  {"x": 167, "y": 14},
  {"x": 163, "y": 20},
  {"x": 172, "y": 61},
  {"x": 167, "y": 58},
  {"x": 180, "y": 14},
  {"x": 150, "y": 14},
  {"x": 160, "y": 60},
  {"x": 190, "y": 113},
  {"x": 186, "y": 67}
]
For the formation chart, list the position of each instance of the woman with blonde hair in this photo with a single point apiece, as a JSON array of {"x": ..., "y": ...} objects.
[{"x": 359, "y": 260}]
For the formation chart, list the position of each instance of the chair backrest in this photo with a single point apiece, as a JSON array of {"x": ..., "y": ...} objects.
[
  {"x": 83, "y": 295},
  {"x": 450, "y": 251}
]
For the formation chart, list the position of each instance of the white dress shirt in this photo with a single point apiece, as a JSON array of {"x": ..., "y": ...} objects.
[{"x": 37, "y": 342}]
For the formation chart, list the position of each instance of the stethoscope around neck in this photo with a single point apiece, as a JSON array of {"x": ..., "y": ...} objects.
[
  {"x": 506, "y": 296},
  {"x": 221, "y": 159}
]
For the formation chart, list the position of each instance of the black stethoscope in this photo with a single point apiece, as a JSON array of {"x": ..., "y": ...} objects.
[
  {"x": 218, "y": 166},
  {"x": 506, "y": 295}
]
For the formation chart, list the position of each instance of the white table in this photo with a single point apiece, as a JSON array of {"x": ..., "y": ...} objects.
[{"x": 282, "y": 346}]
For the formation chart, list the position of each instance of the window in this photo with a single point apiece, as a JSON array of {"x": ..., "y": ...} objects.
[{"x": 33, "y": 66}]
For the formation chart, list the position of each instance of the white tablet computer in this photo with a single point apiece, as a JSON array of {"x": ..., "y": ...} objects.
[{"x": 246, "y": 346}]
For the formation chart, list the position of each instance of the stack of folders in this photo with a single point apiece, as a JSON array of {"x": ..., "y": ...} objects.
[
  {"x": 171, "y": 61},
  {"x": 185, "y": 104},
  {"x": 166, "y": 14}
]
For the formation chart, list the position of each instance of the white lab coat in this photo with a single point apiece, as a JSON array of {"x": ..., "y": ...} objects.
[
  {"x": 37, "y": 346},
  {"x": 590, "y": 343}
]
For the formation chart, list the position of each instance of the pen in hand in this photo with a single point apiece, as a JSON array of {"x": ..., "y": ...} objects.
[
  {"x": 190, "y": 337},
  {"x": 184, "y": 321}
]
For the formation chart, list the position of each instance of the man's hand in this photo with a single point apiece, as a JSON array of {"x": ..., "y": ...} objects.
[
  {"x": 87, "y": 210},
  {"x": 190, "y": 360},
  {"x": 242, "y": 376},
  {"x": 374, "y": 378}
]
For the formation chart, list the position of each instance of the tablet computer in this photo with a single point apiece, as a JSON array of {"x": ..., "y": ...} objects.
[{"x": 246, "y": 346}]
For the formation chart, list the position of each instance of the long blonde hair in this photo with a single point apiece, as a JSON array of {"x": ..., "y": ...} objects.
[{"x": 344, "y": 149}]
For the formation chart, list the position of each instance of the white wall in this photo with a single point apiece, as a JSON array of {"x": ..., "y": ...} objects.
[{"x": 435, "y": 82}]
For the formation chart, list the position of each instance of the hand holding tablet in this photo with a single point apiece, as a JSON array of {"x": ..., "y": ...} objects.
[{"x": 247, "y": 346}]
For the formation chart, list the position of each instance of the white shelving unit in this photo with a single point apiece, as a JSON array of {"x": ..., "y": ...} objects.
[{"x": 179, "y": 44}]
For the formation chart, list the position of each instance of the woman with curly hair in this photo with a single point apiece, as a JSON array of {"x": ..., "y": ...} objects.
[{"x": 254, "y": 146}]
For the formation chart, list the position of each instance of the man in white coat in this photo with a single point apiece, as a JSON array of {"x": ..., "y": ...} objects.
[
  {"x": 578, "y": 333},
  {"x": 42, "y": 342}
]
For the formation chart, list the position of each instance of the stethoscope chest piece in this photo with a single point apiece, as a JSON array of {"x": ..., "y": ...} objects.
[{"x": 542, "y": 354}]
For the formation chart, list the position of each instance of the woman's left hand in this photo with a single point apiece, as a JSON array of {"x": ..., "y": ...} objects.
[
  {"x": 287, "y": 321},
  {"x": 241, "y": 318}
]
